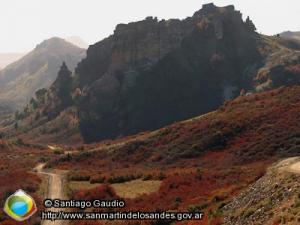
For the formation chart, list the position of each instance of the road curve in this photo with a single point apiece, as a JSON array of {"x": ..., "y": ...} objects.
[{"x": 295, "y": 168}]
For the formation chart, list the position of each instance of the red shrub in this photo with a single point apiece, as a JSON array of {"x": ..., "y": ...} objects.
[{"x": 103, "y": 192}]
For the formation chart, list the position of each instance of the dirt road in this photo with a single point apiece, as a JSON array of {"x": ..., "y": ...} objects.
[
  {"x": 55, "y": 191},
  {"x": 291, "y": 165},
  {"x": 295, "y": 168}
]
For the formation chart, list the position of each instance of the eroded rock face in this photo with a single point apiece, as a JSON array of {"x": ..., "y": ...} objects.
[
  {"x": 139, "y": 45},
  {"x": 132, "y": 46},
  {"x": 144, "y": 43},
  {"x": 157, "y": 72}
]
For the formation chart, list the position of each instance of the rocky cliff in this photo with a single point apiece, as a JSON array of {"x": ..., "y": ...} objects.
[{"x": 151, "y": 73}]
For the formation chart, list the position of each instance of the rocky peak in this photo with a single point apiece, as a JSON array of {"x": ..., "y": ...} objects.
[
  {"x": 56, "y": 44},
  {"x": 250, "y": 25},
  {"x": 63, "y": 67},
  {"x": 210, "y": 9},
  {"x": 218, "y": 19},
  {"x": 138, "y": 45},
  {"x": 144, "y": 42},
  {"x": 63, "y": 79},
  {"x": 51, "y": 43},
  {"x": 133, "y": 46}
]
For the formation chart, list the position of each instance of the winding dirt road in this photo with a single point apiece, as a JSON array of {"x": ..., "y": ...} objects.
[{"x": 55, "y": 191}]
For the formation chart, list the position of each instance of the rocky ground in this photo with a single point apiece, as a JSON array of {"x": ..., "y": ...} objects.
[{"x": 273, "y": 199}]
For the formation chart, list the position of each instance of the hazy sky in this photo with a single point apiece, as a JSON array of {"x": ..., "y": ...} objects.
[{"x": 25, "y": 23}]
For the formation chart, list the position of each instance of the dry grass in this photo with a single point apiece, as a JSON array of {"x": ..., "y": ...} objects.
[
  {"x": 135, "y": 188},
  {"x": 81, "y": 185},
  {"x": 131, "y": 189}
]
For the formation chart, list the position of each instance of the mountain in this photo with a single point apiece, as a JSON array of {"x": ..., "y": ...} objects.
[
  {"x": 36, "y": 70},
  {"x": 151, "y": 73},
  {"x": 290, "y": 40},
  {"x": 290, "y": 34},
  {"x": 8, "y": 58},
  {"x": 78, "y": 41}
]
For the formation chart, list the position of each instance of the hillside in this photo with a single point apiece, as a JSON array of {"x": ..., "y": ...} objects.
[
  {"x": 151, "y": 73},
  {"x": 290, "y": 34},
  {"x": 12, "y": 174},
  {"x": 8, "y": 58},
  {"x": 215, "y": 163},
  {"x": 36, "y": 70},
  {"x": 249, "y": 128},
  {"x": 273, "y": 199},
  {"x": 290, "y": 40}
]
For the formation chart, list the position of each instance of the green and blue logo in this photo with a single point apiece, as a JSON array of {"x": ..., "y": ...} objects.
[{"x": 20, "y": 206}]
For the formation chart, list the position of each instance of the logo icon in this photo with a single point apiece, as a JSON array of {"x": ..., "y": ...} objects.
[{"x": 20, "y": 206}]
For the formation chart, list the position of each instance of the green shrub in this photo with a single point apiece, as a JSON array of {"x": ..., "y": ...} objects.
[
  {"x": 147, "y": 177},
  {"x": 15, "y": 141},
  {"x": 58, "y": 151},
  {"x": 79, "y": 177},
  {"x": 97, "y": 179},
  {"x": 197, "y": 208}
]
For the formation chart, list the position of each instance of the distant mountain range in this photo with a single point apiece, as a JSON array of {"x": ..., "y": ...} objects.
[
  {"x": 37, "y": 69},
  {"x": 151, "y": 73}
]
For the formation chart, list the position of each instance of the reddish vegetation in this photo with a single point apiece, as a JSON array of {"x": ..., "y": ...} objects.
[
  {"x": 104, "y": 192},
  {"x": 202, "y": 163},
  {"x": 17, "y": 160},
  {"x": 187, "y": 190},
  {"x": 249, "y": 128},
  {"x": 207, "y": 160}
]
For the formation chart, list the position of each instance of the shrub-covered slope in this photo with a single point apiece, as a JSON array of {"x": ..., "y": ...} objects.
[{"x": 202, "y": 163}]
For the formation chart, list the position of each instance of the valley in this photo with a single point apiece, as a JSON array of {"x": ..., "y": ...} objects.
[
  {"x": 199, "y": 114},
  {"x": 173, "y": 166}
]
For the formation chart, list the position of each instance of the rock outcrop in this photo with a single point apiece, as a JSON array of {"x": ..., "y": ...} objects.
[
  {"x": 151, "y": 73},
  {"x": 266, "y": 201},
  {"x": 163, "y": 71}
]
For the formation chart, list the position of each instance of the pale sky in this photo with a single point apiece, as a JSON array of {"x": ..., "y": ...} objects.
[{"x": 25, "y": 23}]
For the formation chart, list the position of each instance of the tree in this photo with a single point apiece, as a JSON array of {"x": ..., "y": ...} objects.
[
  {"x": 40, "y": 95},
  {"x": 62, "y": 86},
  {"x": 16, "y": 126},
  {"x": 33, "y": 103}
]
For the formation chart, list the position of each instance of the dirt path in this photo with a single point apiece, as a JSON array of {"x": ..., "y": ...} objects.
[
  {"x": 54, "y": 191},
  {"x": 295, "y": 168},
  {"x": 291, "y": 165}
]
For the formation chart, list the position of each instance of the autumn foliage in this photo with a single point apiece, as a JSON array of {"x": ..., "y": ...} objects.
[{"x": 204, "y": 161}]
